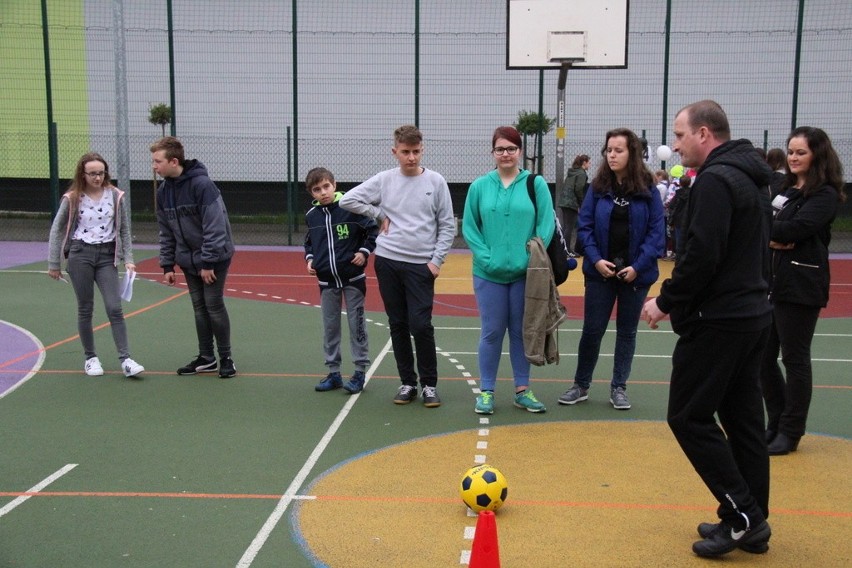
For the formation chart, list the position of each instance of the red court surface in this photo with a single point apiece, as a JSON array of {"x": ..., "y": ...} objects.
[{"x": 280, "y": 276}]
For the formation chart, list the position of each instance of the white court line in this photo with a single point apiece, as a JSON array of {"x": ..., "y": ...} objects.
[
  {"x": 36, "y": 488},
  {"x": 35, "y": 368},
  {"x": 291, "y": 493}
]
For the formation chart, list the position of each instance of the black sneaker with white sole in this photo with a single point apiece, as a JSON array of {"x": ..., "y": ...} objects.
[{"x": 199, "y": 365}]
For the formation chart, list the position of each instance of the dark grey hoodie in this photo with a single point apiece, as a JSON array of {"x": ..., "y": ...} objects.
[{"x": 195, "y": 232}]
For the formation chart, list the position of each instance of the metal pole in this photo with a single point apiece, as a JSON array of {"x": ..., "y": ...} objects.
[
  {"x": 560, "y": 129},
  {"x": 294, "y": 222},
  {"x": 539, "y": 158},
  {"x": 417, "y": 63},
  {"x": 122, "y": 143},
  {"x": 52, "y": 142},
  {"x": 799, "y": 28},
  {"x": 171, "y": 27},
  {"x": 666, "y": 76},
  {"x": 290, "y": 189}
]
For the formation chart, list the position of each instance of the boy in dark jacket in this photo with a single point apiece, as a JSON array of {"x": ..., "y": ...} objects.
[
  {"x": 337, "y": 245},
  {"x": 195, "y": 234}
]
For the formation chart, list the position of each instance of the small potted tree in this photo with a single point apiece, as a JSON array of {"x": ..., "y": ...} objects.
[
  {"x": 533, "y": 124},
  {"x": 160, "y": 114}
]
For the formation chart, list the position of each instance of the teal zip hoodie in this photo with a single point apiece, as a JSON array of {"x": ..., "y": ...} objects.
[{"x": 498, "y": 221}]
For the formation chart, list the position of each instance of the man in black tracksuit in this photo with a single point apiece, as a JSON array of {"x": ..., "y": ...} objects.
[{"x": 717, "y": 300}]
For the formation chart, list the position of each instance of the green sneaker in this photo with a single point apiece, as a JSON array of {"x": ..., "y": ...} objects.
[
  {"x": 528, "y": 401},
  {"x": 484, "y": 403}
]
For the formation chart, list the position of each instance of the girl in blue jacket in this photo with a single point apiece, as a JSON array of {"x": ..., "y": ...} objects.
[{"x": 622, "y": 230}]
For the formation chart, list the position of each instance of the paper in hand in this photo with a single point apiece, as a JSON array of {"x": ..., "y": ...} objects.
[{"x": 127, "y": 285}]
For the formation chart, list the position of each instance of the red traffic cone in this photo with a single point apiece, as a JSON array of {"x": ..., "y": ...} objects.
[{"x": 486, "y": 550}]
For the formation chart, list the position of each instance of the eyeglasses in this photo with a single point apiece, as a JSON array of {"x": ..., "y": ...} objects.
[
  {"x": 511, "y": 150},
  {"x": 95, "y": 174}
]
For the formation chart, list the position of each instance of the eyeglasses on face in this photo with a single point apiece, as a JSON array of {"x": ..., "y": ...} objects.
[
  {"x": 95, "y": 174},
  {"x": 500, "y": 150}
]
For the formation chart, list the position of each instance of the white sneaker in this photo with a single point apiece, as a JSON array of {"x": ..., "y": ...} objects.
[
  {"x": 131, "y": 368},
  {"x": 93, "y": 367}
]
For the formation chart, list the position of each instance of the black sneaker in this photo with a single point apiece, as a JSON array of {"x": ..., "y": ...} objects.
[
  {"x": 405, "y": 394},
  {"x": 199, "y": 365},
  {"x": 725, "y": 539},
  {"x": 430, "y": 397},
  {"x": 227, "y": 369},
  {"x": 706, "y": 530}
]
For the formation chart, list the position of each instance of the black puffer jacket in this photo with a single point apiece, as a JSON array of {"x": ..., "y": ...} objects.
[
  {"x": 801, "y": 275},
  {"x": 721, "y": 278}
]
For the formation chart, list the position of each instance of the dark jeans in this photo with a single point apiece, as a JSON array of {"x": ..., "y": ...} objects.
[
  {"x": 716, "y": 371},
  {"x": 599, "y": 300},
  {"x": 408, "y": 291},
  {"x": 89, "y": 265},
  {"x": 211, "y": 316},
  {"x": 787, "y": 402},
  {"x": 568, "y": 221}
]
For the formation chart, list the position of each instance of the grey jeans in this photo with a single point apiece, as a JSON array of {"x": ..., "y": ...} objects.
[
  {"x": 89, "y": 265},
  {"x": 331, "y": 300},
  {"x": 211, "y": 316}
]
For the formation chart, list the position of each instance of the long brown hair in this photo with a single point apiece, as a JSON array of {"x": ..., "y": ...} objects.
[
  {"x": 637, "y": 178},
  {"x": 825, "y": 168},
  {"x": 78, "y": 182}
]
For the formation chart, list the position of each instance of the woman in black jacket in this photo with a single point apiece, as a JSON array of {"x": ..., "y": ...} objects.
[{"x": 801, "y": 232}]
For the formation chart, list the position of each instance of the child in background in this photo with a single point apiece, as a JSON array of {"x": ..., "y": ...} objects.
[{"x": 337, "y": 245}]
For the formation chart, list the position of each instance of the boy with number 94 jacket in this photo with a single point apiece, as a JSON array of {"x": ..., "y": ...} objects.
[{"x": 337, "y": 245}]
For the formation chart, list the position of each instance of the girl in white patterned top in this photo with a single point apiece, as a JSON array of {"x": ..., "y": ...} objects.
[{"x": 92, "y": 231}]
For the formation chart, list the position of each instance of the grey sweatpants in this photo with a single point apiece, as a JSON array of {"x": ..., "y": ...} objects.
[
  {"x": 331, "y": 301},
  {"x": 89, "y": 265}
]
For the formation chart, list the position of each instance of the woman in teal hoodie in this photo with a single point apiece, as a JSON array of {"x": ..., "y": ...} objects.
[{"x": 499, "y": 219}]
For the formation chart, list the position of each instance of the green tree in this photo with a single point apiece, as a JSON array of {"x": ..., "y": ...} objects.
[
  {"x": 160, "y": 114},
  {"x": 533, "y": 124}
]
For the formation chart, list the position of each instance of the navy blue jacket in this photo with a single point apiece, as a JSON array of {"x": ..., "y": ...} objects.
[
  {"x": 647, "y": 239},
  {"x": 333, "y": 237}
]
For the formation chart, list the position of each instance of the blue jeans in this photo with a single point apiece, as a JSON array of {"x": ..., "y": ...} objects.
[
  {"x": 211, "y": 316},
  {"x": 501, "y": 308},
  {"x": 599, "y": 301}
]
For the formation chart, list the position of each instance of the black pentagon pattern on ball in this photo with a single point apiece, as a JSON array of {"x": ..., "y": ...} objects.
[
  {"x": 489, "y": 476},
  {"x": 466, "y": 483},
  {"x": 483, "y": 500}
]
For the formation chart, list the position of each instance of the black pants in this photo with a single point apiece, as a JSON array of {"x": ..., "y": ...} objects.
[
  {"x": 408, "y": 292},
  {"x": 787, "y": 401},
  {"x": 716, "y": 371}
]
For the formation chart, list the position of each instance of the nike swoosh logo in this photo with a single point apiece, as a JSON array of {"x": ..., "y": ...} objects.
[{"x": 737, "y": 535}]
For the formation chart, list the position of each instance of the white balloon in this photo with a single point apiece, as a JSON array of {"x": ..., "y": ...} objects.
[{"x": 664, "y": 152}]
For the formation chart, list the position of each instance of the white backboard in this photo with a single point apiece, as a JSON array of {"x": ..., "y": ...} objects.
[{"x": 543, "y": 34}]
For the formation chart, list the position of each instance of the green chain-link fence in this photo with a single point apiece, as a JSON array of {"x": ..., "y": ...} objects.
[{"x": 265, "y": 90}]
